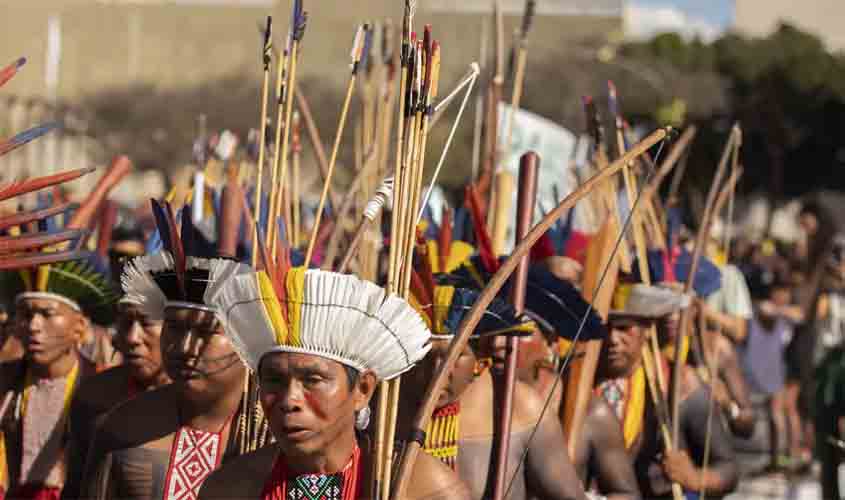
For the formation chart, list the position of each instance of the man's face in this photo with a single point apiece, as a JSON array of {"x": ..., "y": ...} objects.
[
  {"x": 533, "y": 353},
  {"x": 139, "y": 341},
  {"x": 460, "y": 378},
  {"x": 622, "y": 350},
  {"x": 197, "y": 354},
  {"x": 49, "y": 329},
  {"x": 309, "y": 402}
]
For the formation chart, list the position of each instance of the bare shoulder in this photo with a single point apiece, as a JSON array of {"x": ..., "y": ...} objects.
[
  {"x": 602, "y": 426},
  {"x": 432, "y": 480},
  {"x": 149, "y": 416},
  {"x": 528, "y": 407},
  {"x": 100, "y": 392},
  {"x": 600, "y": 413},
  {"x": 241, "y": 477}
]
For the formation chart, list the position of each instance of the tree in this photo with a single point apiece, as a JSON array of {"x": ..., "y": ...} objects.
[{"x": 788, "y": 92}]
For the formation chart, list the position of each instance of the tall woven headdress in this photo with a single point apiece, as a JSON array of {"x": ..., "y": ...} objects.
[{"x": 331, "y": 315}]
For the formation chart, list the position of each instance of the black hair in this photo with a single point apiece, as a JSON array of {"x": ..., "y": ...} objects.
[{"x": 351, "y": 375}]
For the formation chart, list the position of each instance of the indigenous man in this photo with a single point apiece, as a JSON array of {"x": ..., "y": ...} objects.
[
  {"x": 622, "y": 383},
  {"x": 138, "y": 341},
  {"x": 467, "y": 407},
  {"x": 600, "y": 454},
  {"x": 723, "y": 298},
  {"x": 54, "y": 306},
  {"x": 165, "y": 442},
  {"x": 319, "y": 343}
]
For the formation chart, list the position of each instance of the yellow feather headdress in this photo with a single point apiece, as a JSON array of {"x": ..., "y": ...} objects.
[{"x": 331, "y": 315}]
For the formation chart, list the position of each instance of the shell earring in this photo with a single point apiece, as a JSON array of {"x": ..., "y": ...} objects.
[{"x": 362, "y": 418}]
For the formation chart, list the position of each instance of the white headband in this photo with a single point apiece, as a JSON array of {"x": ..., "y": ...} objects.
[{"x": 49, "y": 296}]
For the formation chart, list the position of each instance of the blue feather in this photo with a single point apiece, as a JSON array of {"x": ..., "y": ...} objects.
[
  {"x": 154, "y": 243},
  {"x": 708, "y": 277},
  {"x": 560, "y": 305},
  {"x": 33, "y": 133},
  {"x": 162, "y": 225},
  {"x": 460, "y": 225}
]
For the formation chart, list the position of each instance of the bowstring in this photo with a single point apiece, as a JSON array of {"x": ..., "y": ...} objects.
[
  {"x": 712, "y": 369},
  {"x": 571, "y": 353}
]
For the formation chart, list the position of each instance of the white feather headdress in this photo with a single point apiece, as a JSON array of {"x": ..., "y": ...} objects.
[
  {"x": 335, "y": 316},
  {"x": 150, "y": 282}
]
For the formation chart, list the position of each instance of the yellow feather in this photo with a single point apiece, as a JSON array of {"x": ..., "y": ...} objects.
[
  {"x": 296, "y": 292},
  {"x": 442, "y": 300},
  {"x": 635, "y": 408},
  {"x": 433, "y": 256},
  {"x": 458, "y": 254},
  {"x": 272, "y": 307},
  {"x": 42, "y": 277}
]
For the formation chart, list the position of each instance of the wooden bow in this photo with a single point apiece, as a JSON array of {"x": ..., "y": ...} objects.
[{"x": 498, "y": 280}]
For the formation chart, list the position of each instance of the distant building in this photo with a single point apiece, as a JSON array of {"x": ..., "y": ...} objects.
[
  {"x": 822, "y": 17},
  {"x": 81, "y": 47}
]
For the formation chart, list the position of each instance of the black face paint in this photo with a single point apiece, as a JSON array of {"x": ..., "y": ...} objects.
[{"x": 184, "y": 370}]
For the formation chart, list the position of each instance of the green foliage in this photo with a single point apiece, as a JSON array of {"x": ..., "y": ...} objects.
[{"x": 786, "y": 90}]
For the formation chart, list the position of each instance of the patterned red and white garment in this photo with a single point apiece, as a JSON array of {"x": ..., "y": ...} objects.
[
  {"x": 195, "y": 454},
  {"x": 340, "y": 486}
]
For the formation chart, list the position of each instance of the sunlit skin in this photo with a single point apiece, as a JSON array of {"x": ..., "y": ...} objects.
[
  {"x": 547, "y": 472},
  {"x": 533, "y": 359},
  {"x": 138, "y": 339},
  {"x": 198, "y": 356},
  {"x": 311, "y": 409},
  {"x": 311, "y": 403},
  {"x": 622, "y": 351},
  {"x": 50, "y": 331}
]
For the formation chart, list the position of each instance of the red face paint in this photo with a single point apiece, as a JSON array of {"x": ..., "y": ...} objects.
[{"x": 314, "y": 406}]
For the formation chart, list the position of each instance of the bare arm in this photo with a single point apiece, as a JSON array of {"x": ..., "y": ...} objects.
[
  {"x": 431, "y": 480},
  {"x": 733, "y": 326},
  {"x": 742, "y": 423},
  {"x": 608, "y": 456},
  {"x": 721, "y": 475},
  {"x": 549, "y": 472}
]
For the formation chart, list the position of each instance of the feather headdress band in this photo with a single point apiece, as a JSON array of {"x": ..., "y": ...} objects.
[
  {"x": 331, "y": 315},
  {"x": 559, "y": 307},
  {"x": 180, "y": 274},
  {"x": 448, "y": 306}
]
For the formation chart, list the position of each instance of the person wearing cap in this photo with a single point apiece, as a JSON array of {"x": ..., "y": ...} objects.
[
  {"x": 557, "y": 307},
  {"x": 54, "y": 307},
  {"x": 463, "y": 427},
  {"x": 319, "y": 343},
  {"x": 164, "y": 442},
  {"x": 635, "y": 309},
  {"x": 137, "y": 338}
]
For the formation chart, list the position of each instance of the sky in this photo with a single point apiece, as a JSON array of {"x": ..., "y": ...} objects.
[{"x": 706, "y": 18}]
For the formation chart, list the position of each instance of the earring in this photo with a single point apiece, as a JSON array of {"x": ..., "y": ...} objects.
[
  {"x": 362, "y": 418},
  {"x": 481, "y": 365}
]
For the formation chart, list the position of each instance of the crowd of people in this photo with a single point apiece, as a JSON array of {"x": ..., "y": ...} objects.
[{"x": 212, "y": 345}]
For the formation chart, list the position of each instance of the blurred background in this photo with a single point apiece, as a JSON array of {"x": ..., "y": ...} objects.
[{"x": 134, "y": 76}]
